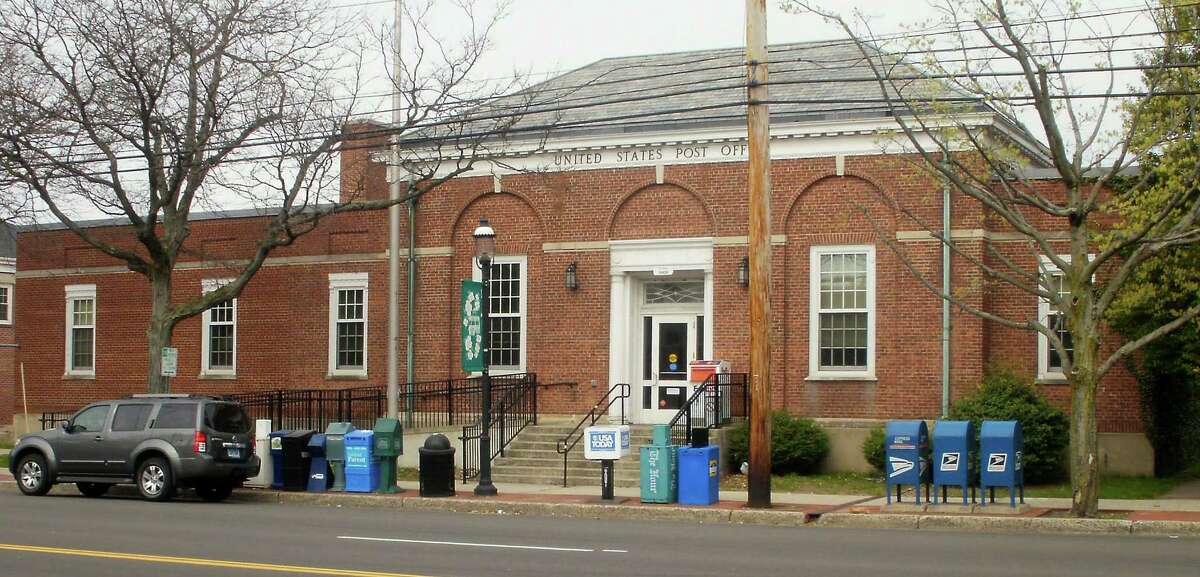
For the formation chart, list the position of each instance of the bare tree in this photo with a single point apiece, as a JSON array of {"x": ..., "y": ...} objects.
[
  {"x": 1073, "y": 253},
  {"x": 146, "y": 110}
]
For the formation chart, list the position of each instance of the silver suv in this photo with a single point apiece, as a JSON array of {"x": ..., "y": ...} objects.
[{"x": 158, "y": 442}]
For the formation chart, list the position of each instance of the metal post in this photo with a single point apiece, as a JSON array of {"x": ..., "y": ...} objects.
[
  {"x": 393, "y": 338},
  {"x": 759, "y": 478},
  {"x": 606, "y": 479},
  {"x": 411, "y": 332},
  {"x": 946, "y": 236},
  {"x": 485, "y": 486}
]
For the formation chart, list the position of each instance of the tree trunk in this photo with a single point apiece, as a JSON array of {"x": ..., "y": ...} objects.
[
  {"x": 158, "y": 334},
  {"x": 1085, "y": 462}
]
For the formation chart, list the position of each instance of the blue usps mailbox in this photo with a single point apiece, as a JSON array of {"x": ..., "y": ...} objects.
[
  {"x": 907, "y": 444},
  {"x": 952, "y": 443},
  {"x": 1000, "y": 447}
]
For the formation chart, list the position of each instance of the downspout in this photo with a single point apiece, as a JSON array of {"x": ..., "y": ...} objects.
[
  {"x": 946, "y": 234},
  {"x": 411, "y": 333}
]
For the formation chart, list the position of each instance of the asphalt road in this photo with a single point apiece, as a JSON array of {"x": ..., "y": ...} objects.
[{"x": 65, "y": 534}]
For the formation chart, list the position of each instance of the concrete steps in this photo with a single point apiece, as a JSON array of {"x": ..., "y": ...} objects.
[{"x": 533, "y": 458}]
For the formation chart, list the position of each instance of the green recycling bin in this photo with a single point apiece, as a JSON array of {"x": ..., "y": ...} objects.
[
  {"x": 660, "y": 467},
  {"x": 335, "y": 452},
  {"x": 389, "y": 444}
]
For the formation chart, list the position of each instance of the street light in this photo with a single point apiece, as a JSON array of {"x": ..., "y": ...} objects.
[{"x": 485, "y": 249}]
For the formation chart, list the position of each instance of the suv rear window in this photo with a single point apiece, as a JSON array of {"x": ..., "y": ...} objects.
[
  {"x": 131, "y": 418},
  {"x": 176, "y": 416},
  {"x": 226, "y": 418}
]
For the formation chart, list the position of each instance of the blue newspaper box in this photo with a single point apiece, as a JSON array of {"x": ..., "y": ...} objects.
[
  {"x": 699, "y": 475},
  {"x": 907, "y": 448},
  {"x": 362, "y": 467},
  {"x": 952, "y": 444},
  {"x": 1000, "y": 447},
  {"x": 276, "y": 438},
  {"x": 319, "y": 478}
]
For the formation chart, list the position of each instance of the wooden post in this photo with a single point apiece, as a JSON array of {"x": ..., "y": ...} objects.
[{"x": 758, "y": 120}]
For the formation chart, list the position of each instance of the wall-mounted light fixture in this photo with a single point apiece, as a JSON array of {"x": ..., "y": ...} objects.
[
  {"x": 743, "y": 271},
  {"x": 572, "y": 281}
]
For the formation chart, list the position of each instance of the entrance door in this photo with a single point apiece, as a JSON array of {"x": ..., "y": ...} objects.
[{"x": 668, "y": 344}]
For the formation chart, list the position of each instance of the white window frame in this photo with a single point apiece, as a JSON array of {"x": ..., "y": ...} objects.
[
  {"x": 74, "y": 293},
  {"x": 8, "y": 305},
  {"x": 1044, "y": 372},
  {"x": 207, "y": 286},
  {"x": 815, "y": 372},
  {"x": 477, "y": 275},
  {"x": 341, "y": 281}
]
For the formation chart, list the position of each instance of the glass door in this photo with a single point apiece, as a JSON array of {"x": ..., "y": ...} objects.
[{"x": 668, "y": 345}]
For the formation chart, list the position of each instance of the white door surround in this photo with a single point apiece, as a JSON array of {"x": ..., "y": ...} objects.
[{"x": 633, "y": 262}]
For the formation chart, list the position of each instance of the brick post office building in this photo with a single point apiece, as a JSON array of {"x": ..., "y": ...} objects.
[{"x": 649, "y": 216}]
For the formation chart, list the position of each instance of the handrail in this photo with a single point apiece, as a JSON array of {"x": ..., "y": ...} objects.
[
  {"x": 726, "y": 395},
  {"x": 566, "y": 444},
  {"x": 514, "y": 411}
]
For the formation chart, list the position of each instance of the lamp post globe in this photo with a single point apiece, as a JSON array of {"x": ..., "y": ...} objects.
[{"x": 485, "y": 249}]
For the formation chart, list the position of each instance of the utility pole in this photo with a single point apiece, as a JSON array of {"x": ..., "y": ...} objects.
[
  {"x": 393, "y": 338},
  {"x": 758, "y": 120}
]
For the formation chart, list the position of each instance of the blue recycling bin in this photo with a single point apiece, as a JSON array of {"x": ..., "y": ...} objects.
[
  {"x": 319, "y": 478},
  {"x": 276, "y": 438},
  {"x": 362, "y": 466},
  {"x": 907, "y": 448},
  {"x": 952, "y": 444},
  {"x": 1000, "y": 448},
  {"x": 699, "y": 475}
]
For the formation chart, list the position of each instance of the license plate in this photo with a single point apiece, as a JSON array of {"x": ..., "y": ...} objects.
[{"x": 233, "y": 453}]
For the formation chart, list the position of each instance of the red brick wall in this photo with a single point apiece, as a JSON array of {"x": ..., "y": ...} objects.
[
  {"x": 9, "y": 377},
  {"x": 282, "y": 316}
]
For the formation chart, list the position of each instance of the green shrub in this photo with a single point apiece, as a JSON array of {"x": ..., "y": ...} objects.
[
  {"x": 1005, "y": 397},
  {"x": 798, "y": 444},
  {"x": 873, "y": 449}
]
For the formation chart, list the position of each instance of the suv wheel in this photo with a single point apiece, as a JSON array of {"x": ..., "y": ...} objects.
[
  {"x": 32, "y": 477},
  {"x": 214, "y": 492},
  {"x": 154, "y": 480},
  {"x": 92, "y": 489}
]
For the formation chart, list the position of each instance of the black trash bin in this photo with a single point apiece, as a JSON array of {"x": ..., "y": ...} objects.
[
  {"x": 437, "y": 467},
  {"x": 296, "y": 460}
]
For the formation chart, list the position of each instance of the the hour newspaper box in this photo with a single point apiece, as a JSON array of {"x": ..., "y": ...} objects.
[{"x": 606, "y": 442}]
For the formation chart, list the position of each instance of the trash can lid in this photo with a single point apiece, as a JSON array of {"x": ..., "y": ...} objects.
[{"x": 437, "y": 442}]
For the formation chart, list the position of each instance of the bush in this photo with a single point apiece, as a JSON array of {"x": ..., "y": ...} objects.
[
  {"x": 1005, "y": 397},
  {"x": 873, "y": 450},
  {"x": 798, "y": 444}
]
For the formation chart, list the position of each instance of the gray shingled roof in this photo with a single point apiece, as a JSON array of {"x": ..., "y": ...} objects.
[
  {"x": 8, "y": 240},
  {"x": 665, "y": 90}
]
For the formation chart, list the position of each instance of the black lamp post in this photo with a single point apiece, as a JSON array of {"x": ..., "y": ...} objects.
[{"x": 485, "y": 249}]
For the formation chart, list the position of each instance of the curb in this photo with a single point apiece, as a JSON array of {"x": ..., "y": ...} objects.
[{"x": 1020, "y": 525}]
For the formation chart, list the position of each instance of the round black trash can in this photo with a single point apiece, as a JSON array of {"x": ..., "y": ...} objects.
[{"x": 437, "y": 467}]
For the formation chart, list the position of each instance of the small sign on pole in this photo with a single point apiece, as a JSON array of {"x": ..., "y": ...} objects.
[
  {"x": 472, "y": 326},
  {"x": 170, "y": 361}
]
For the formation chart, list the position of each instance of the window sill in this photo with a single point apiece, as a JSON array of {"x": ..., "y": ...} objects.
[
  {"x": 217, "y": 376},
  {"x": 346, "y": 377},
  {"x": 863, "y": 378},
  {"x": 79, "y": 376},
  {"x": 1051, "y": 380}
]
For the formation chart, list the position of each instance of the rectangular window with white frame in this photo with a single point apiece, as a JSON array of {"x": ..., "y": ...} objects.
[
  {"x": 219, "y": 339},
  {"x": 1050, "y": 362},
  {"x": 506, "y": 313},
  {"x": 81, "y": 330},
  {"x": 6, "y": 298},
  {"x": 348, "y": 324},
  {"x": 842, "y": 312}
]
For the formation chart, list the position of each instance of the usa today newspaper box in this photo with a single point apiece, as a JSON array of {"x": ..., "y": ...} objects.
[
  {"x": 907, "y": 448},
  {"x": 606, "y": 443},
  {"x": 952, "y": 443},
  {"x": 1000, "y": 447}
]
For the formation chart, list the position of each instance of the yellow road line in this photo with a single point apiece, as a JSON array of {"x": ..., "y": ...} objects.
[{"x": 200, "y": 562}]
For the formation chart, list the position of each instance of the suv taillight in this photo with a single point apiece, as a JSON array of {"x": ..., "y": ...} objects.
[{"x": 200, "y": 442}]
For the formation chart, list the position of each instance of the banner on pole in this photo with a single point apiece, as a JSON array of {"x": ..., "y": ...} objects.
[{"x": 472, "y": 326}]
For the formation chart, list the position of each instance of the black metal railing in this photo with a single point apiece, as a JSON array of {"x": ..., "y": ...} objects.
[
  {"x": 718, "y": 401},
  {"x": 567, "y": 443},
  {"x": 52, "y": 419},
  {"x": 430, "y": 404},
  {"x": 513, "y": 408}
]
